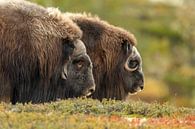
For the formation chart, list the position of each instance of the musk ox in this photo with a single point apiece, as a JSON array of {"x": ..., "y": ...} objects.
[
  {"x": 41, "y": 56},
  {"x": 117, "y": 63}
]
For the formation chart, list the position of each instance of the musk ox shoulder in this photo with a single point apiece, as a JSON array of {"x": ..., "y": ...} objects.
[
  {"x": 117, "y": 63},
  {"x": 41, "y": 56}
]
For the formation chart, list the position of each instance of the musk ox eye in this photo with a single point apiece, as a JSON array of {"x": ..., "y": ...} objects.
[
  {"x": 78, "y": 64},
  {"x": 131, "y": 65}
]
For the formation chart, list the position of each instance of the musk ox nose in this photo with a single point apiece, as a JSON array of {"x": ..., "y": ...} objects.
[
  {"x": 141, "y": 84},
  {"x": 90, "y": 90},
  {"x": 140, "y": 80},
  {"x": 141, "y": 87}
]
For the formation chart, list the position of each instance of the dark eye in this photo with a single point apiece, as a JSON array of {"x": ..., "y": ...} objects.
[
  {"x": 133, "y": 64},
  {"x": 78, "y": 64}
]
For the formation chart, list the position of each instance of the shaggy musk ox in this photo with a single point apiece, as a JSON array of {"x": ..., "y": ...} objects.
[
  {"x": 41, "y": 56},
  {"x": 117, "y": 63}
]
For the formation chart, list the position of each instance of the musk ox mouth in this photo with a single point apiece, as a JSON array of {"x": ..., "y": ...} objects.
[
  {"x": 85, "y": 95},
  {"x": 89, "y": 92},
  {"x": 136, "y": 90}
]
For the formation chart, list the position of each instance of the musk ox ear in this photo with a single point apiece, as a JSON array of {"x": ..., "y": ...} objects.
[{"x": 127, "y": 47}]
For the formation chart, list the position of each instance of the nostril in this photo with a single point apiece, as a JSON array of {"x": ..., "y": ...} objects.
[
  {"x": 92, "y": 89},
  {"x": 141, "y": 83},
  {"x": 142, "y": 87}
]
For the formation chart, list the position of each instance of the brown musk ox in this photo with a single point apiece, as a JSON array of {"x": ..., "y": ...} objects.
[
  {"x": 41, "y": 56},
  {"x": 117, "y": 63}
]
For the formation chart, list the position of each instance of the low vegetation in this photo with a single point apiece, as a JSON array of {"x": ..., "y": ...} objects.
[{"x": 87, "y": 113}]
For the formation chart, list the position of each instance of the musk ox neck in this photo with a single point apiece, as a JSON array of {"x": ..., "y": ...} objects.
[
  {"x": 109, "y": 88},
  {"x": 40, "y": 91}
]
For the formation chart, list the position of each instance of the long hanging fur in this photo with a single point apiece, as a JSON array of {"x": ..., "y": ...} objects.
[{"x": 30, "y": 51}]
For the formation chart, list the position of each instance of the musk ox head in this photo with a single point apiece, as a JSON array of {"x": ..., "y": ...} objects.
[
  {"x": 132, "y": 75},
  {"x": 116, "y": 61},
  {"x": 77, "y": 72}
]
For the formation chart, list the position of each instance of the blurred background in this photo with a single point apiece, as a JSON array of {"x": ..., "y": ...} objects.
[{"x": 165, "y": 30}]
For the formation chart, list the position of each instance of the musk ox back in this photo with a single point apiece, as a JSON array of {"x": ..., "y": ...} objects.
[
  {"x": 117, "y": 63},
  {"x": 41, "y": 56}
]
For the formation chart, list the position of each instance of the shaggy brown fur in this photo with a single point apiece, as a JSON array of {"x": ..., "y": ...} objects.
[
  {"x": 104, "y": 43},
  {"x": 31, "y": 54}
]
